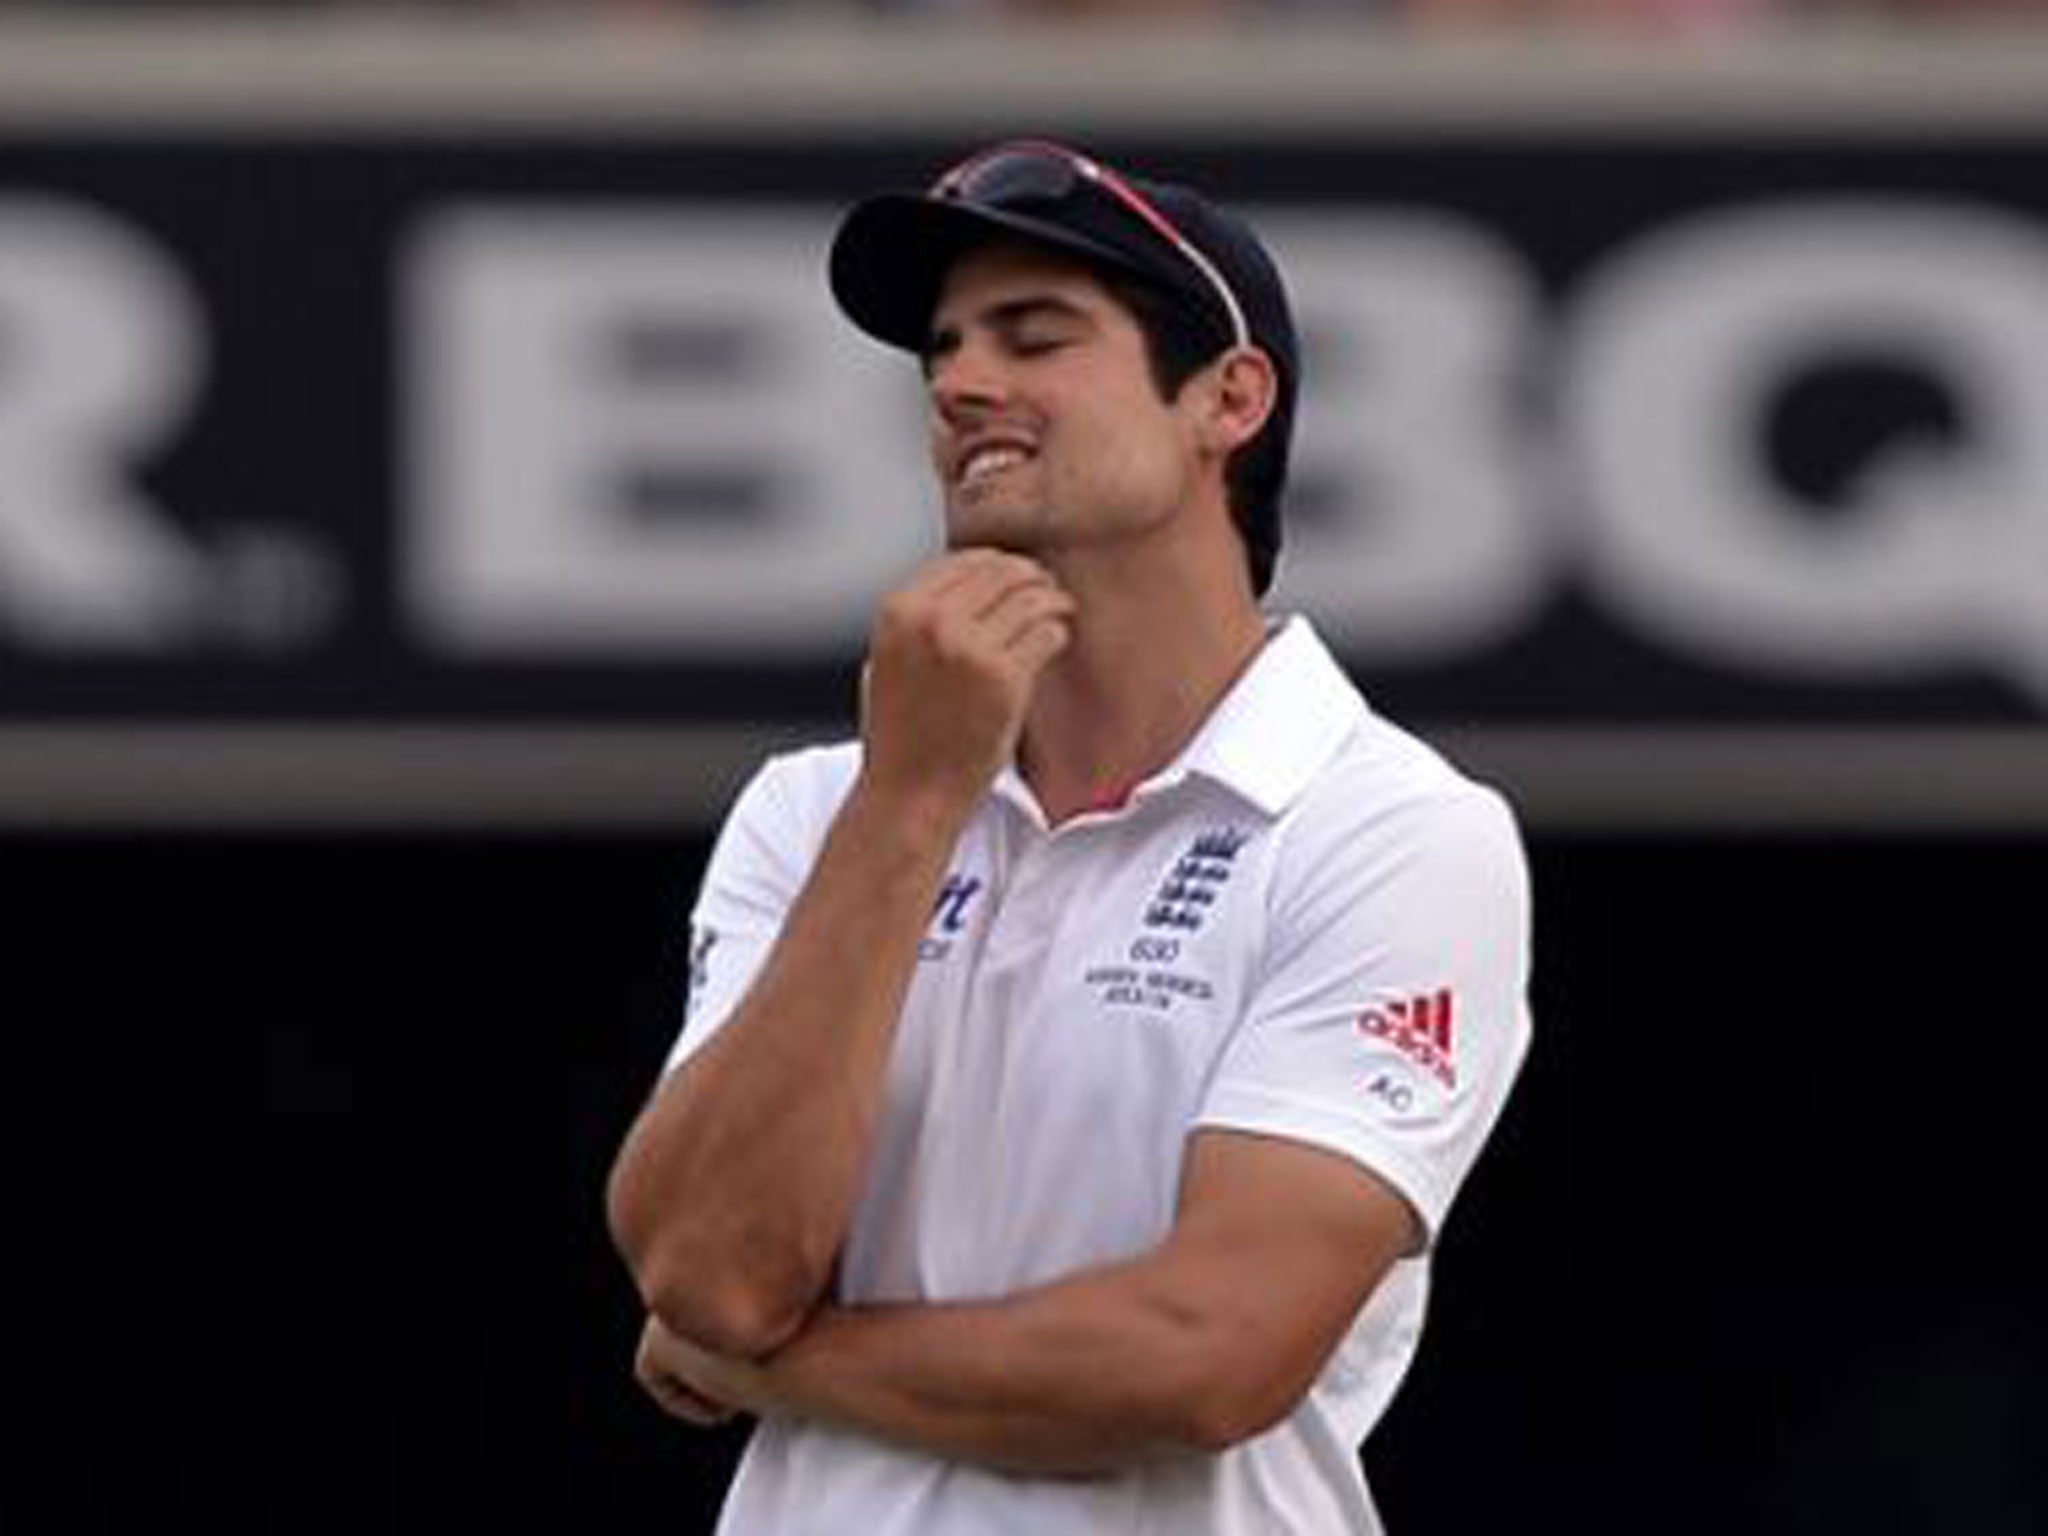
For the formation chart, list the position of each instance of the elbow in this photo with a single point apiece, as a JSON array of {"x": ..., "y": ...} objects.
[
  {"x": 729, "y": 1314},
  {"x": 737, "y": 1294},
  {"x": 643, "y": 1233},
  {"x": 716, "y": 1294},
  {"x": 1218, "y": 1421},
  {"x": 1232, "y": 1400}
]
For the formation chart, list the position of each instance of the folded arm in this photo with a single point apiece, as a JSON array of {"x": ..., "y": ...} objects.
[
  {"x": 1199, "y": 1344},
  {"x": 731, "y": 1197}
]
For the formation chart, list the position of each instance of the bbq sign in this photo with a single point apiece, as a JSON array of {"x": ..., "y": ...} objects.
[{"x": 1602, "y": 441}]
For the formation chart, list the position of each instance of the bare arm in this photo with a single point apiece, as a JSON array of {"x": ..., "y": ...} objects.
[
  {"x": 1193, "y": 1347},
  {"x": 731, "y": 1195},
  {"x": 732, "y": 1191}
]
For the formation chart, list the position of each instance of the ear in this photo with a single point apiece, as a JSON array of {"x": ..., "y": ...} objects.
[{"x": 1242, "y": 396}]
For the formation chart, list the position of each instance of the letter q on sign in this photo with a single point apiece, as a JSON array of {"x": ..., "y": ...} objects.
[{"x": 1675, "y": 353}]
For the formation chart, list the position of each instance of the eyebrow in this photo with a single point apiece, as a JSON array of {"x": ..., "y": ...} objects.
[{"x": 1008, "y": 316}]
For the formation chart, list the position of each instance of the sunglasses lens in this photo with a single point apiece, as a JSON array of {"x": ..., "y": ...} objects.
[{"x": 1011, "y": 178}]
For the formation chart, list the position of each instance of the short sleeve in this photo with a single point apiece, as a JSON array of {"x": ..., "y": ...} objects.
[
  {"x": 758, "y": 863},
  {"x": 1388, "y": 1017}
]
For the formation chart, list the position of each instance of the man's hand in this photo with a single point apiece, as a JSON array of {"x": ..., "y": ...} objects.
[
  {"x": 682, "y": 1378},
  {"x": 952, "y": 663}
]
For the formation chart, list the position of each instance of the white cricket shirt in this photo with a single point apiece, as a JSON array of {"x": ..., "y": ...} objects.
[{"x": 1309, "y": 926}]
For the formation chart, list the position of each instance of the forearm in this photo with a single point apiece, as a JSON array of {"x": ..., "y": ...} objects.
[
  {"x": 1194, "y": 1346},
  {"x": 1092, "y": 1375},
  {"x": 731, "y": 1196}
]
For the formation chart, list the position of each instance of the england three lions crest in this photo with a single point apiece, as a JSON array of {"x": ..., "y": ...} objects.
[{"x": 1192, "y": 885}]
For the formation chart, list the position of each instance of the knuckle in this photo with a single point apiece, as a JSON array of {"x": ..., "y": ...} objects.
[
  {"x": 891, "y": 620},
  {"x": 905, "y": 604},
  {"x": 956, "y": 645},
  {"x": 1050, "y": 600}
]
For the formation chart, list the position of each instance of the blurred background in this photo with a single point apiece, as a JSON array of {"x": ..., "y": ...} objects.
[{"x": 432, "y": 473}]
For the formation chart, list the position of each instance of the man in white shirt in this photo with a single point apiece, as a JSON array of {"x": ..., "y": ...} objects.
[{"x": 1079, "y": 1066}]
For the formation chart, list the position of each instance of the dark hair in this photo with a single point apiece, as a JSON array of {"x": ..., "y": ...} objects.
[{"x": 1178, "y": 345}]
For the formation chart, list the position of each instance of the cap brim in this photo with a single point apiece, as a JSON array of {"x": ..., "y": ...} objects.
[{"x": 892, "y": 253}]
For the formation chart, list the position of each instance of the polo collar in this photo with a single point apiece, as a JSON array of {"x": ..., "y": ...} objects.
[
  {"x": 1279, "y": 724},
  {"x": 1268, "y": 737}
]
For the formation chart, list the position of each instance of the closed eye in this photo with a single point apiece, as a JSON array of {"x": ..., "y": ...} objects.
[
  {"x": 1033, "y": 325},
  {"x": 1037, "y": 346}
]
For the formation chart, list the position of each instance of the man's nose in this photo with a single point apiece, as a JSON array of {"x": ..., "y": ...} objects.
[{"x": 967, "y": 381}]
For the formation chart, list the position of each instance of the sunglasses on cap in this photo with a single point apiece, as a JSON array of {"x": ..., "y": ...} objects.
[{"x": 1037, "y": 170}]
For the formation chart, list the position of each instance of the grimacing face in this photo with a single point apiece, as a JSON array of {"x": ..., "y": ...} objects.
[{"x": 1048, "y": 432}]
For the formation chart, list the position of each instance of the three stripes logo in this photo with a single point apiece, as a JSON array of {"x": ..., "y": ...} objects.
[{"x": 1419, "y": 1028}]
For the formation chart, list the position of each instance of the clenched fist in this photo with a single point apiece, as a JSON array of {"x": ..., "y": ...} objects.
[{"x": 952, "y": 662}]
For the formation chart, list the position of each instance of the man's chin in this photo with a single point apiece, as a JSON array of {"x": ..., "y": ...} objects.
[
  {"x": 1015, "y": 532},
  {"x": 966, "y": 539}
]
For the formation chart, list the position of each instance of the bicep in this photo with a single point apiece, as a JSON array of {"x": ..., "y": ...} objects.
[{"x": 1276, "y": 1246}]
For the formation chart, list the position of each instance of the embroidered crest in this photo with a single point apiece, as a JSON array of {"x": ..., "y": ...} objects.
[{"x": 1190, "y": 888}]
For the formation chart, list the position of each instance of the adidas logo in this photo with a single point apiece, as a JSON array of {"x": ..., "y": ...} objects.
[{"x": 1419, "y": 1028}]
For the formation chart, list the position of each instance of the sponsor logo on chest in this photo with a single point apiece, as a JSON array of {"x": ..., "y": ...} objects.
[{"x": 949, "y": 915}]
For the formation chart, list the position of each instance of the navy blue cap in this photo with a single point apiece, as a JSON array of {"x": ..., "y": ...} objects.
[{"x": 891, "y": 255}]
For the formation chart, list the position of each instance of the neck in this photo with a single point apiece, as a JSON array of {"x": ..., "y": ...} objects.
[{"x": 1142, "y": 674}]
